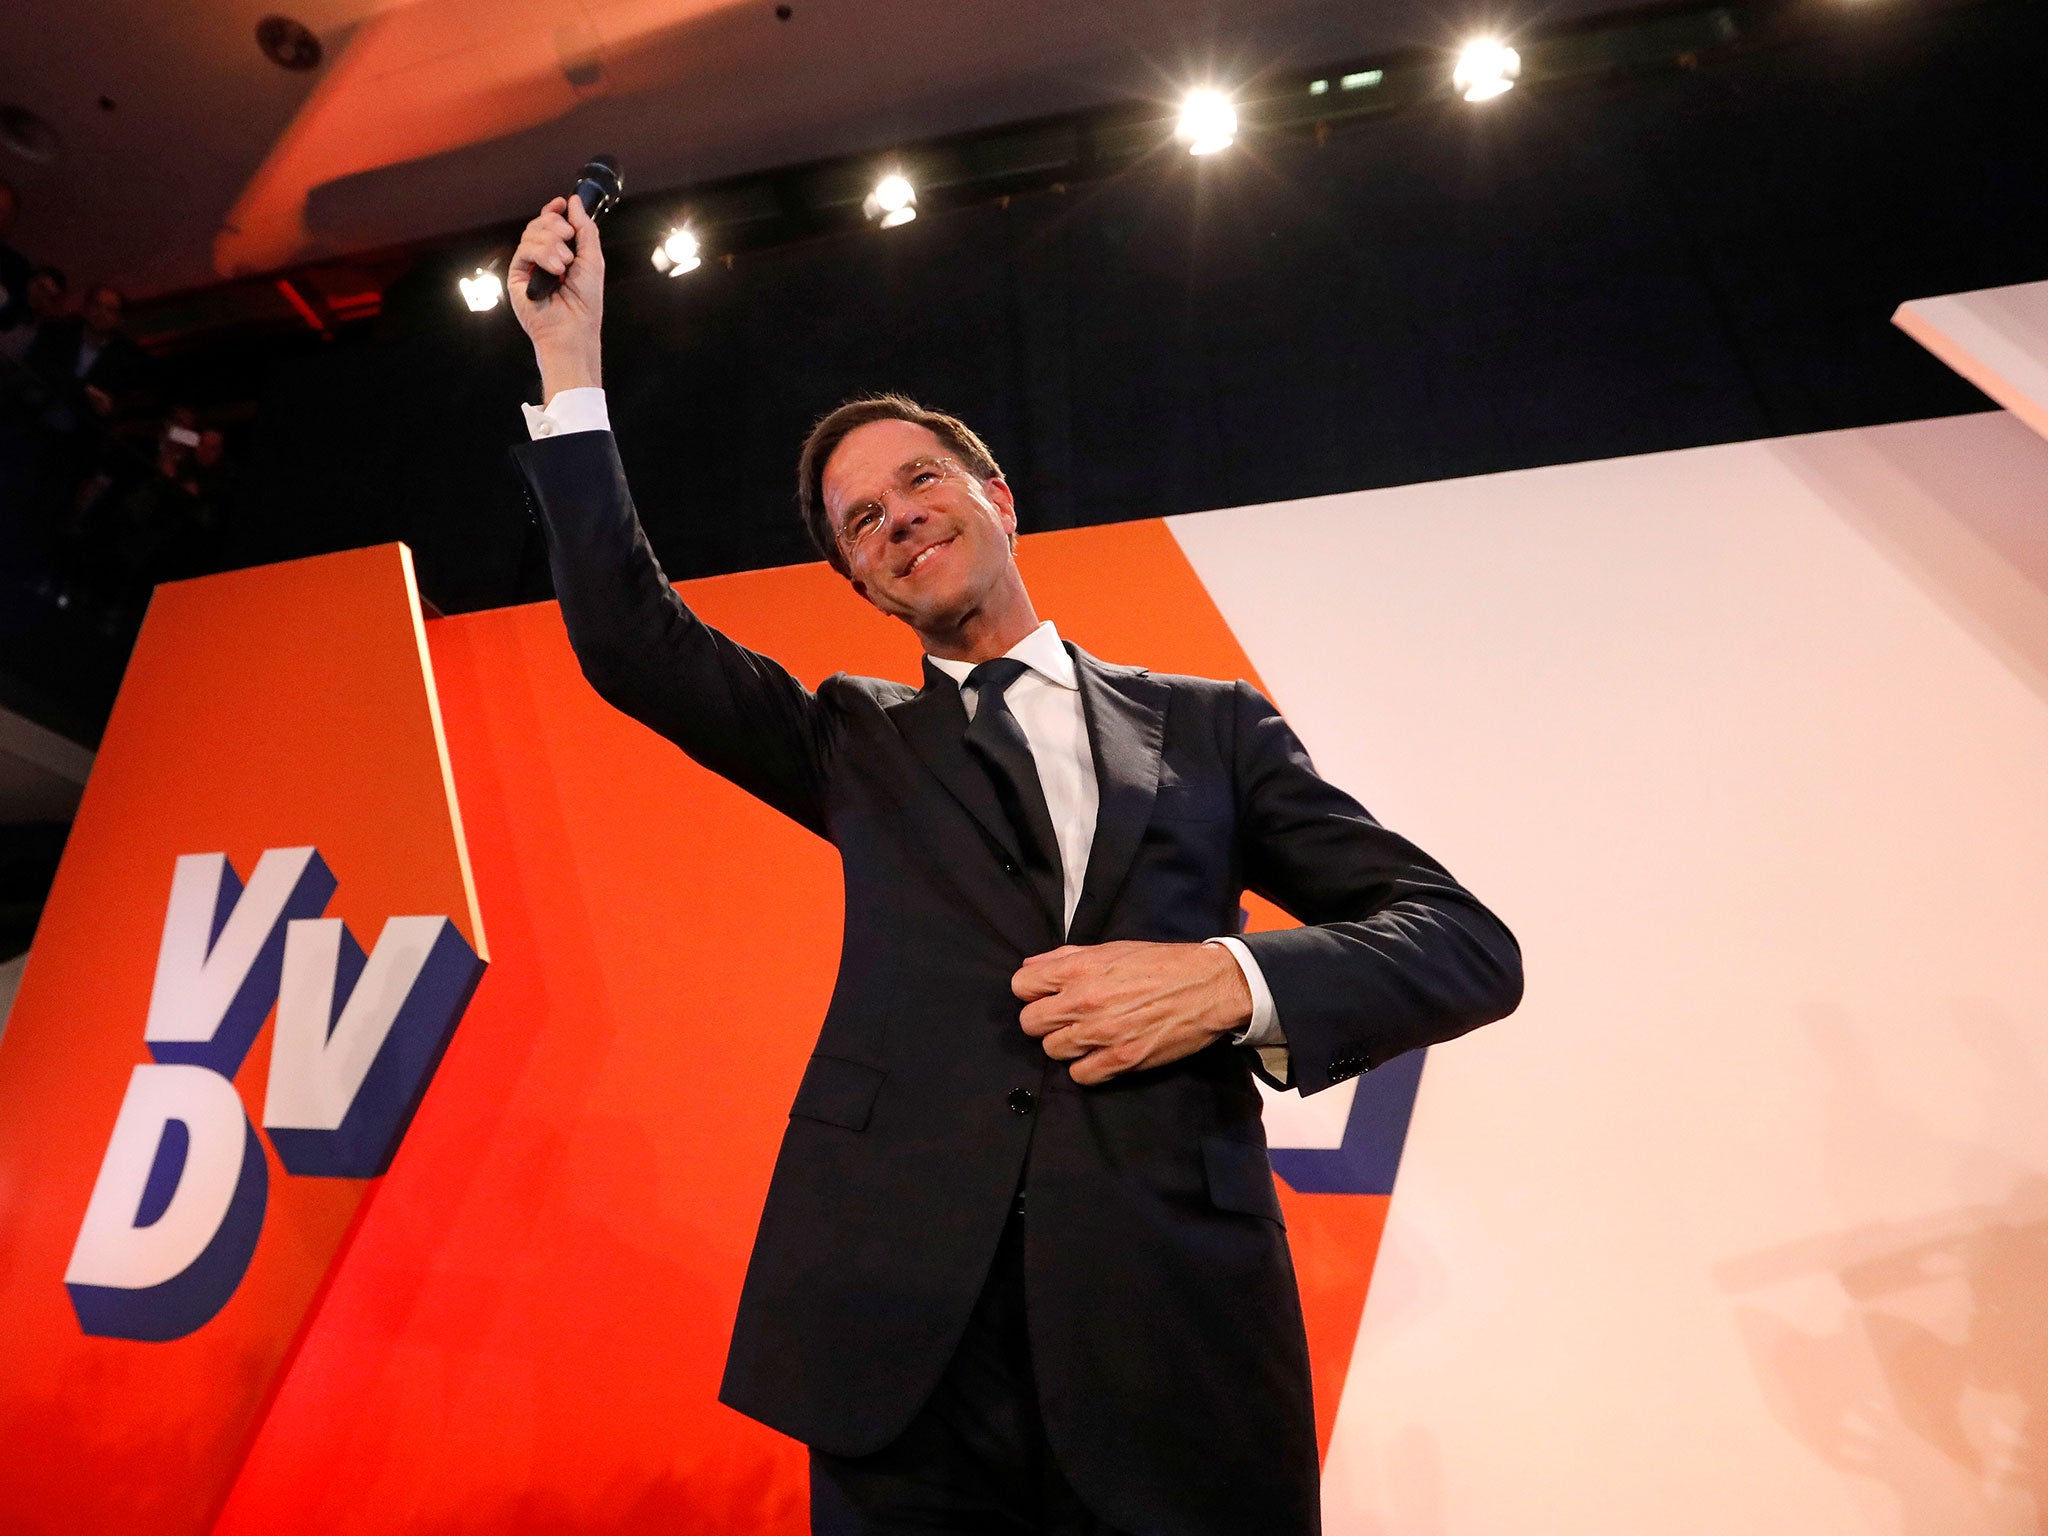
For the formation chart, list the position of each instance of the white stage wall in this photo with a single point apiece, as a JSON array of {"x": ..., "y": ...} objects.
[{"x": 1741, "y": 1224}]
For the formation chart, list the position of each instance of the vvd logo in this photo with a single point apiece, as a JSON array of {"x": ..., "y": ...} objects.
[{"x": 176, "y": 1211}]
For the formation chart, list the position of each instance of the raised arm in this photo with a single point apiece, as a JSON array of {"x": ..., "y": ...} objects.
[{"x": 739, "y": 713}]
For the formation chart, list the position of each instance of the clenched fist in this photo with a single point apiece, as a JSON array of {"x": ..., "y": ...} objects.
[
  {"x": 564, "y": 326},
  {"x": 1122, "y": 1007}
]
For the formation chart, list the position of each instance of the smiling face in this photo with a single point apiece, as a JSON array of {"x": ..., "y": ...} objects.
[{"x": 939, "y": 558}]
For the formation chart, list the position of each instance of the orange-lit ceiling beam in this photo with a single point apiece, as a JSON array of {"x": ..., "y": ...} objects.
[{"x": 434, "y": 76}]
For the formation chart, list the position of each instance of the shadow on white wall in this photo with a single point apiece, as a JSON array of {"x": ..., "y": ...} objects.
[{"x": 1910, "y": 1354}]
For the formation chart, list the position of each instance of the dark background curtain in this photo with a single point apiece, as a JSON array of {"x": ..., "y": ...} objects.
[{"x": 1650, "y": 262}]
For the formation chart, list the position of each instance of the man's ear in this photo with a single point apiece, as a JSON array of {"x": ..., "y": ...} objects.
[
  {"x": 860, "y": 590},
  {"x": 997, "y": 490}
]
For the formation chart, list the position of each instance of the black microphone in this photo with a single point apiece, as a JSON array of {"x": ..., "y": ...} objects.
[{"x": 599, "y": 185}]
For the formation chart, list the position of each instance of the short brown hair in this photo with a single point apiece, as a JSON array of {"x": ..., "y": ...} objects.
[{"x": 832, "y": 430}]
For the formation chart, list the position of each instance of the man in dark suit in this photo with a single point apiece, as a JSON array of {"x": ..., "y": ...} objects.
[
  {"x": 94, "y": 372},
  {"x": 1021, "y": 1268}
]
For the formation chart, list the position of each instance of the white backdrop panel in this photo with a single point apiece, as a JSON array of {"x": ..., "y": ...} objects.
[{"x": 1741, "y": 1224}]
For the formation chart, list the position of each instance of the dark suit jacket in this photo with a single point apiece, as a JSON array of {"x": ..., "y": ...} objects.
[
  {"x": 1165, "y": 1325},
  {"x": 15, "y": 271},
  {"x": 122, "y": 370}
]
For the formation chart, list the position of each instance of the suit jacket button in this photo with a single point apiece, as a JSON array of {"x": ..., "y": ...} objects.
[
  {"x": 1022, "y": 1099},
  {"x": 1011, "y": 869}
]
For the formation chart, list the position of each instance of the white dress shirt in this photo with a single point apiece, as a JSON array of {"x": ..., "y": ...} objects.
[{"x": 1046, "y": 700}]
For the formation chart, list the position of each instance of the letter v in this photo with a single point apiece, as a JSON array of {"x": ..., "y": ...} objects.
[
  {"x": 358, "y": 1039},
  {"x": 217, "y": 967}
]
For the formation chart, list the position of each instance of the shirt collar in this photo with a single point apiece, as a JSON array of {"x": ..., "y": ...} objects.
[{"x": 1040, "y": 650}]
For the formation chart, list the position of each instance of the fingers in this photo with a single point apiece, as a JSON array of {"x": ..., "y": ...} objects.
[
  {"x": 585, "y": 227},
  {"x": 1068, "y": 1035},
  {"x": 544, "y": 245},
  {"x": 1032, "y": 982},
  {"x": 1096, "y": 1068},
  {"x": 1090, "y": 1064},
  {"x": 1074, "y": 1021},
  {"x": 1047, "y": 1014},
  {"x": 1080, "y": 1042},
  {"x": 555, "y": 237},
  {"x": 1042, "y": 975},
  {"x": 1067, "y": 1045}
]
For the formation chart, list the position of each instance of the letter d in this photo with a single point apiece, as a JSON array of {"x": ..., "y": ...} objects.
[{"x": 176, "y": 1211}]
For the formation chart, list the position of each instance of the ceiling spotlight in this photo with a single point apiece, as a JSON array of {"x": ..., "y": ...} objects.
[
  {"x": 482, "y": 291},
  {"x": 1208, "y": 122},
  {"x": 287, "y": 43},
  {"x": 893, "y": 202},
  {"x": 678, "y": 254},
  {"x": 1486, "y": 68}
]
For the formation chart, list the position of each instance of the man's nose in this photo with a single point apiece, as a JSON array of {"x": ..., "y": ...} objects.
[{"x": 911, "y": 515}]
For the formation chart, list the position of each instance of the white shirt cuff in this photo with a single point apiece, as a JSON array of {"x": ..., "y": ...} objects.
[
  {"x": 1264, "y": 1029},
  {"x": 573, "y": 410}
]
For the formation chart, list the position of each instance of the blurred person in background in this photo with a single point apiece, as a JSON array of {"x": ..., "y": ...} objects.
[
  {"x": 97, "y": 385},
  {"x": 215, "y": 482},
  {"x": 93, "y": 436},
  {"x": 14, "y": 268},
  {"x": 28, "y": 297},
  {"x": 94, "y": 372},
  {"x": 45, "y": 305},
  {"x": 159, "y": 524}
]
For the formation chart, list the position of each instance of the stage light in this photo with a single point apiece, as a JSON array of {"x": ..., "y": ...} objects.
[
  {"x": 893, "y": 202},
  {"x": 1208, "y": 122},
  {"x": 1486, "y": 68},
  {"x": 482, "y": 291},
  {"x": 678, "y": 254},
  {"x": 1364, "y": 79}
]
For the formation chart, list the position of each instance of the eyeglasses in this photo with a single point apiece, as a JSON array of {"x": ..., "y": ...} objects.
[{"x": 918, "y": 481}]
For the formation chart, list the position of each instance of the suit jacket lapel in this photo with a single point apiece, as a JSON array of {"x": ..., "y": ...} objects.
[
  {"x": 1126, "y": 713},
  {"x": 934, "y": 723},
  {"x": 934, "y": 726}
]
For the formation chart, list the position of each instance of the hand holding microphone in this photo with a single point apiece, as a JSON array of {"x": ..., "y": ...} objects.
[
  {"x": 556, "y": 281},
  {"x": 598, "y": 186}
]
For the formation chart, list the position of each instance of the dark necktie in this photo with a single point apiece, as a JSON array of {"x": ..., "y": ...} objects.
[{"x": 998, "y": 740}]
